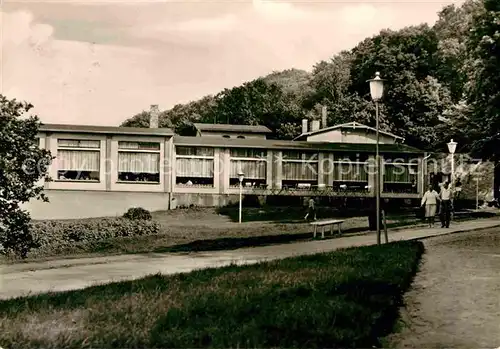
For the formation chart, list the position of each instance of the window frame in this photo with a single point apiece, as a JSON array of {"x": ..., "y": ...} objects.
[
  {"x": 139, "y": 151},
  {"x": 72, "y": 148}
]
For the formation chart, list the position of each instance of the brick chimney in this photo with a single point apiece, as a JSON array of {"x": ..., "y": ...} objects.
[
  {"x": 323, "y": 117},
  {"x": 314, "y": 125},
  {"x": 304, "y": 125},
  {"x": 154, "y": 114}
]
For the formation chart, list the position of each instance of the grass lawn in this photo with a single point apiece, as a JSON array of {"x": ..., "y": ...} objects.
[
  {"x": 202, "y": 229},
  {"x": 347, "y": 298}
]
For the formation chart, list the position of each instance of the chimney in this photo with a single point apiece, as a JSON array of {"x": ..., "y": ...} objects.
[
  {"x": 323, "y": 117},
  {"x": 304, "y": 125},
  {"x": 153, "y": 118},
  {"x": 314, "y": 125}
]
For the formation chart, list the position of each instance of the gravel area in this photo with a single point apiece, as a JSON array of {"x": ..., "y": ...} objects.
[{"x": 455, "y": 298}]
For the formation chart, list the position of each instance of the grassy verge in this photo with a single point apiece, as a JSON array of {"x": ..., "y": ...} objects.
[{"x": 347, "y": 298}]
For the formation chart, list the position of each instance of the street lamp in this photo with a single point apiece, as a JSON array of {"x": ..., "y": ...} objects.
[
  {"x": 376, "y": 92},
  {"x": 452, "y": 146},
  {"x": 241, "y": 176}
]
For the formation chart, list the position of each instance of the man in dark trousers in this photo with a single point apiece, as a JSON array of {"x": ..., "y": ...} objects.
[{"x": 445, "y": 195}]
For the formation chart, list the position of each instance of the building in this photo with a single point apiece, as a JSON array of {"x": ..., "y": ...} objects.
[{"x": 103, "y": 171}]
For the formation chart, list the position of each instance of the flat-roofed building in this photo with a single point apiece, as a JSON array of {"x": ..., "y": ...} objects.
[{"x": 103, "y": 171}]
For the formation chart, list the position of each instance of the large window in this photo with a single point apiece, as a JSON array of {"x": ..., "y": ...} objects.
[
  {"x": 350, "y": 172},
  {"x": 194, "y": 166},
  {"x": 252, "y": 163},
  {"x": 400, "y": 174},
  {"x": 78, "y": 160},
  {"x": 299, "y": 168},
  {"x": 139, "y": 162}
]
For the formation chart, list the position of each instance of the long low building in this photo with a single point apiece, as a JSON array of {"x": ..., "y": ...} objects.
[{"x": 103, "y": 171}]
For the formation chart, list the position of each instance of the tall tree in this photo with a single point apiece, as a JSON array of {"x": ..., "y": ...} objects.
[
  {"x": 22, "y": 165},
  {"x": 483, "y": 89},
  {"x": 414, "y": 98}
]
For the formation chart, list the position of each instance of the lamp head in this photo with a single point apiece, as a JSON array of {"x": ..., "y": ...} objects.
[
  {"x": 376, "y": 87},
  {"x": 241, "y": 176},
  {"x": 452, "y": 146}
]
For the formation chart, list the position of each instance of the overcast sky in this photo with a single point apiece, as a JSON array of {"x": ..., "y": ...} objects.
[{"x": 96, "y": 62}]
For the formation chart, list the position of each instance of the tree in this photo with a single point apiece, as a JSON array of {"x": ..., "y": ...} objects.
[
  {"x": 22, "y": 164},
  {"x": 483, "y": 89},
  {"x": 414, "y": 99}
]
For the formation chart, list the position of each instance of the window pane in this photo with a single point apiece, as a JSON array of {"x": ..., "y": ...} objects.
[
  {"x": 194, "y": 167},
  {"x": 351, "y": 172},
  {"x": 400, "y": 173},
  {"x": 139, "y": 162},
  {"x": 78, "y": 143},
  {"x": 248, "y": 153},
  {"x": 78, "y": 160},
  {"x": 251, "y": 169},
  {"x": 200, "y": 151},
  {"x": 139, "y": 145},
  {"x": 351, "y": 157},
  {"x": 300, "y": 171}
]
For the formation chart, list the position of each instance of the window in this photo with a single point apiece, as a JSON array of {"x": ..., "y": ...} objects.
[
  {"x": 350, "y": 171},
  {"x": 195, "y": 166},
  {"x": 139, "y": 162},
  {"x": 226, "y": 136},
  {"x": 400, "y": 175},
  {"x": 253, "y": 164},
  {"x": 78, "y": 160},
  {"x": 241, "y": 137},
  {"x": 299, "y": 167}
]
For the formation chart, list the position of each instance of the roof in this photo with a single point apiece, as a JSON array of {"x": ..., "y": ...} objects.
[
  {"x": 350, "y": 125},
  {"x": 292, "y": 145},
  {"x": 232, "y": 128},
  {"x": 106, "y": 130}
]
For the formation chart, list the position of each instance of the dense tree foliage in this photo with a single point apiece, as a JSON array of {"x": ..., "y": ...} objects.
[
  {"x": 22, "y": 165},
  {"x": 441, "y": 83}
]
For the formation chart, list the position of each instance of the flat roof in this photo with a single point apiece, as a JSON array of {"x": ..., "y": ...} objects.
[
  {"x": 232, "y": 128},
  {"x": 292, "y": 145},
  {"x": 106, "y": 130}
]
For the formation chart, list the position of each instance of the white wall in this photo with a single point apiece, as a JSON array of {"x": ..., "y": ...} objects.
[{"x": 352, "y": 136}]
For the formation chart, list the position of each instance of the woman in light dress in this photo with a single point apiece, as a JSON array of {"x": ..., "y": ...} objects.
[{"x": 430, "y": 201}]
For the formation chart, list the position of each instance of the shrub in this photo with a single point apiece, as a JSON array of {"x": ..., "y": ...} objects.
[
  {"x": 61, "y": 235},
  {"x": 138, "y": 213}
]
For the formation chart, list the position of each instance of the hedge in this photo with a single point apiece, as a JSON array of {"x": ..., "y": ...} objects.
[{"x": 60, "y": 235}]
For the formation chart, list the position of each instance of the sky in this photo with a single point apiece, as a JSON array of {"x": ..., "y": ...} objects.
[{"x": 99, "y": 63}]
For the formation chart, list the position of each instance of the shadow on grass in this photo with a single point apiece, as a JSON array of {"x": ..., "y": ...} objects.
[
  {"x": 266, "y": 240},
  {"x": 343, "y": 299}
]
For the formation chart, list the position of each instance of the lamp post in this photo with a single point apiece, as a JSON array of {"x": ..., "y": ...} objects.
[
  {"x": 241, "y": 176},
  {"x": 376, "y": 92},
  {"x": 477, "y": 192},
  {"x": 452, "y": 146}
]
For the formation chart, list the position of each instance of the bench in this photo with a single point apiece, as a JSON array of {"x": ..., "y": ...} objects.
[{"x": 330, "y": 222}]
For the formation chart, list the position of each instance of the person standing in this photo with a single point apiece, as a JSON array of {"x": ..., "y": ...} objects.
[
  {"x": 311, "y": 210},
  {"x": 430, "y": 200},
  {"x": 445, "y": 195}
]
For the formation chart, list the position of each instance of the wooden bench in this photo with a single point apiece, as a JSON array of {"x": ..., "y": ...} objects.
[{"x": 330, "y": 222}]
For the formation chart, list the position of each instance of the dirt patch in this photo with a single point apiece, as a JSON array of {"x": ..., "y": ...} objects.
[{"x": 455, "y": 298}]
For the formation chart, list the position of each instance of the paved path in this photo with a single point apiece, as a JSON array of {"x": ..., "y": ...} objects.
[
  {"x": 454, "y": 301},
  {"x": 64, "y": 275}
]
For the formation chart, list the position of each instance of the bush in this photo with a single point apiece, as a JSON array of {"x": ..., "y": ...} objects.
[
  {"x": 61, "y": 235},
  {"x": 138, "y": 213}
]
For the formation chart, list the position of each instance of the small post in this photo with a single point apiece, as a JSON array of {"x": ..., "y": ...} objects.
[
  {"x": 477, "y": 193},
  {"x": 386, "y": 236}
]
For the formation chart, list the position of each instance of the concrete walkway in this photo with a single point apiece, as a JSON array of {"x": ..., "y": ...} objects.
[{"x": 63, "y": 275}]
